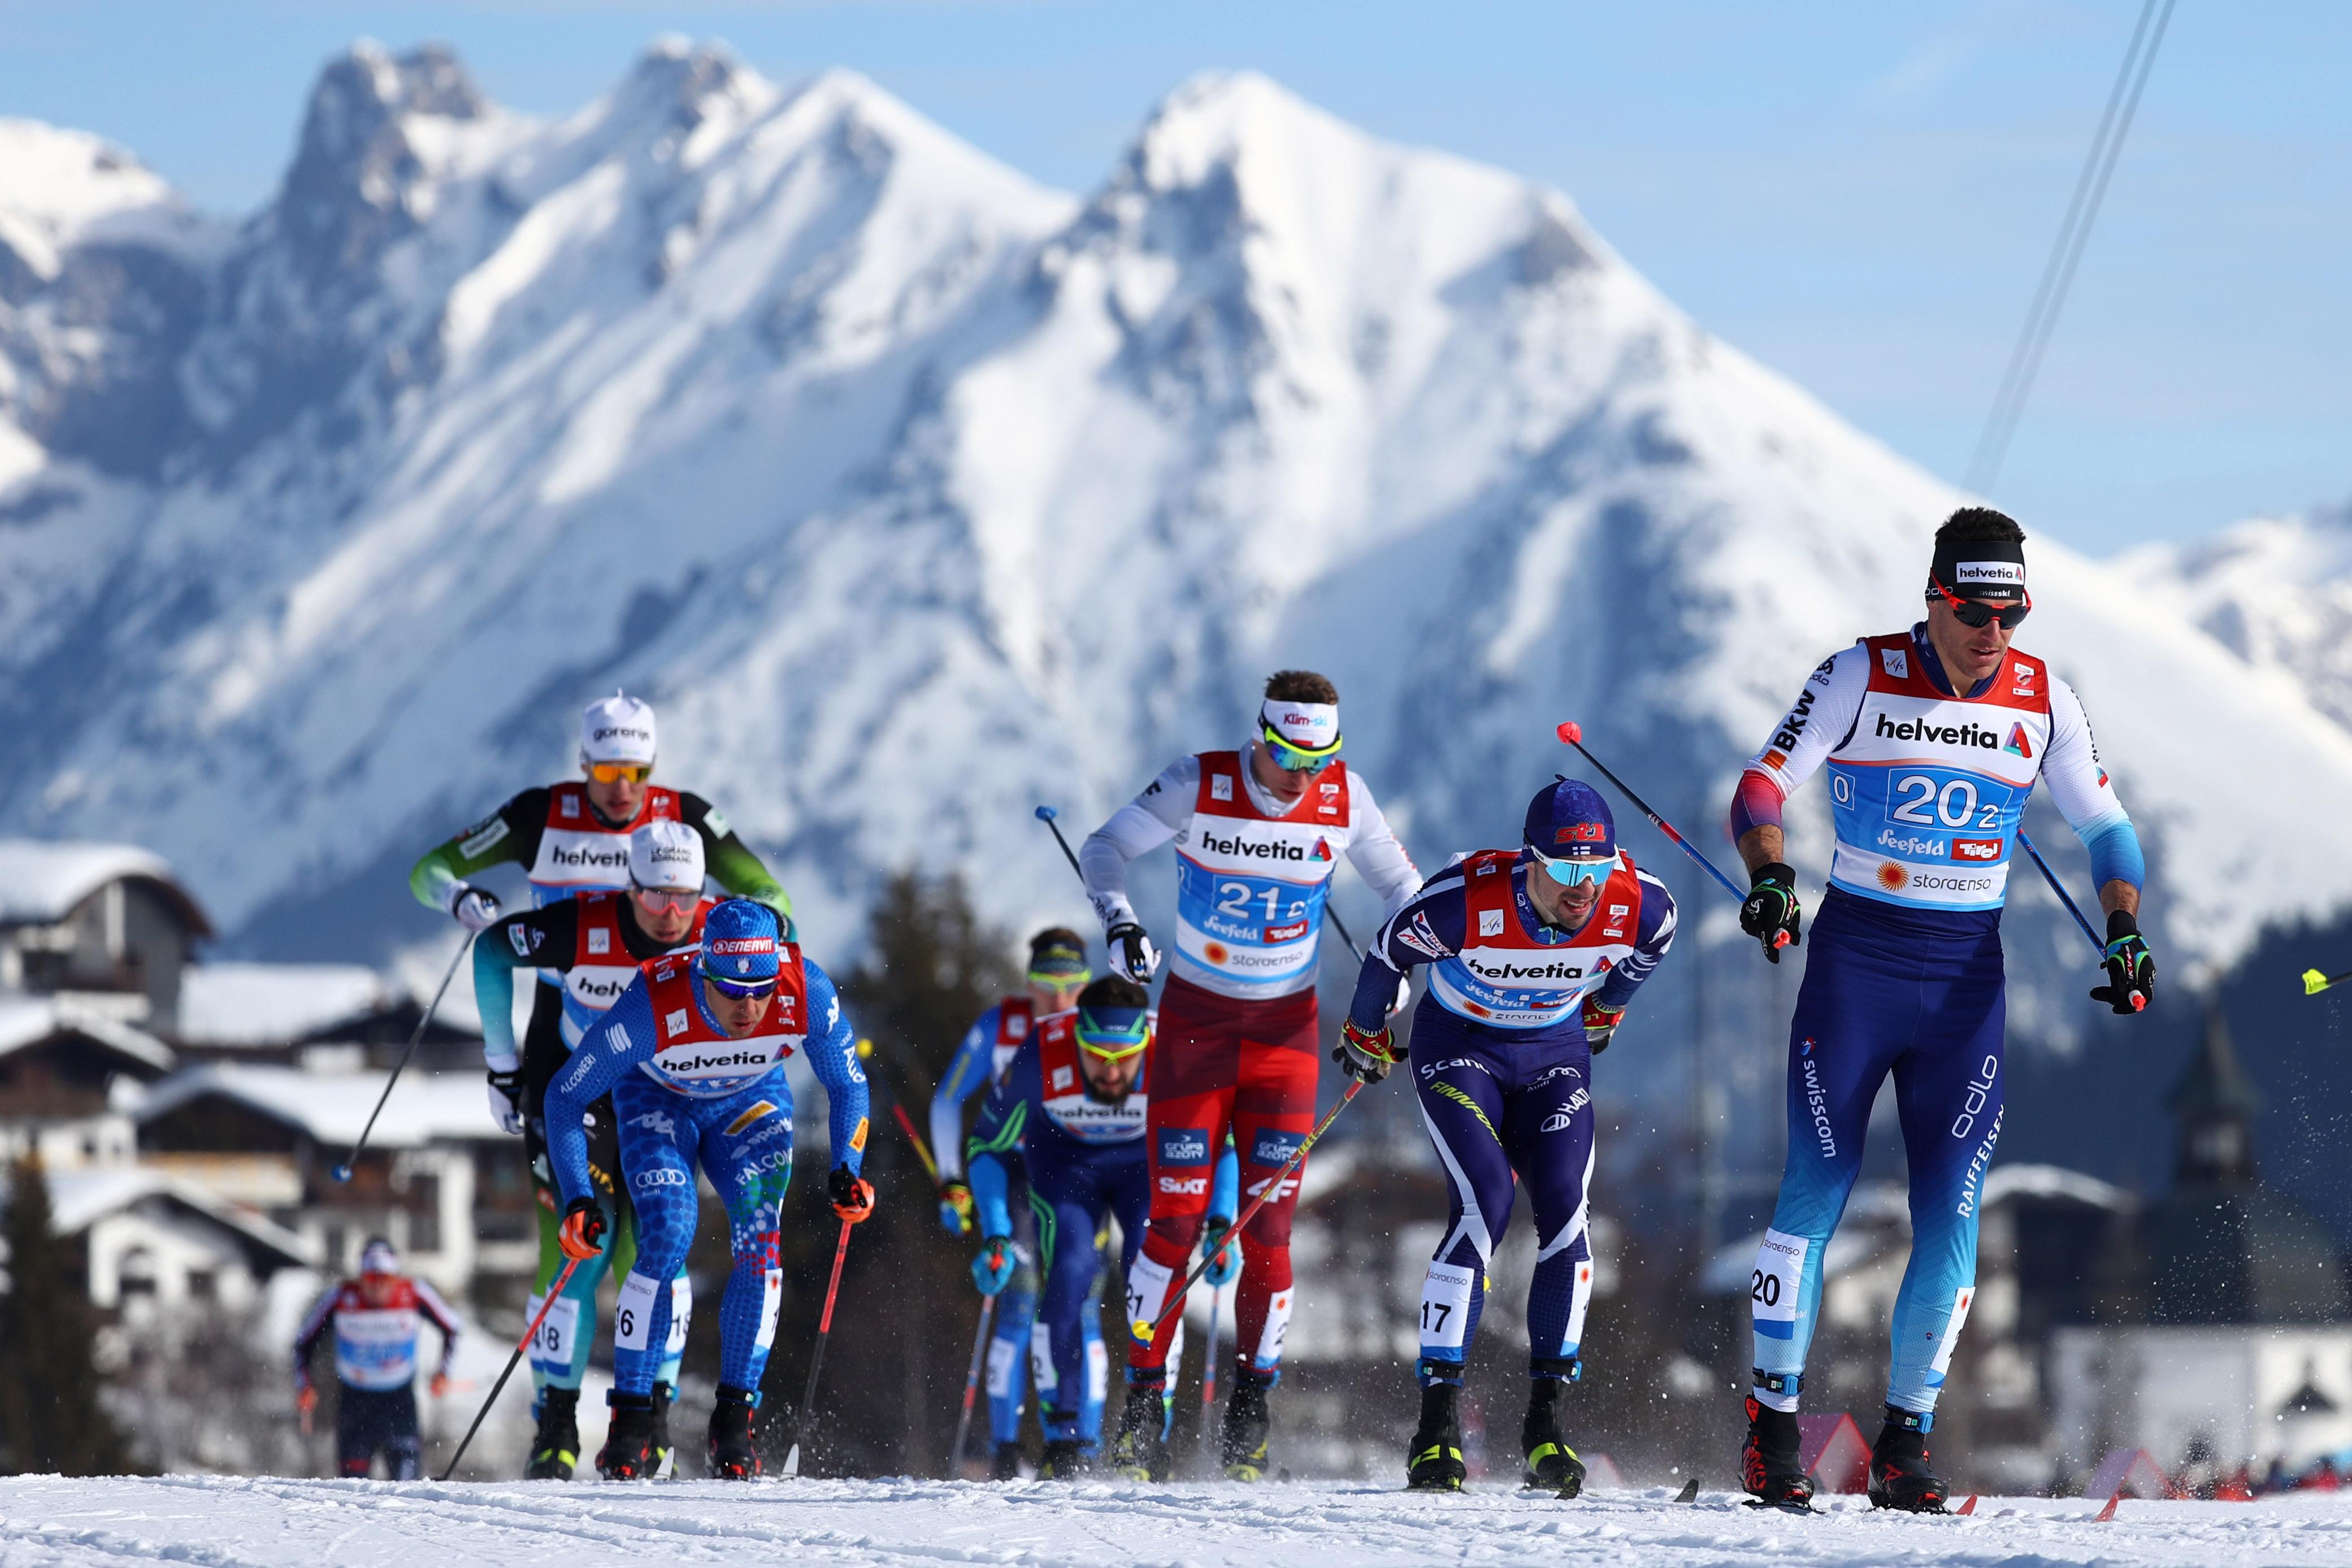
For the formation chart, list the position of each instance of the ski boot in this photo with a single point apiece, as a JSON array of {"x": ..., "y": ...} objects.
[
  {"x": 1064, "y": 1460},
  {"x": 1007, "y": 1465},
  {"x": 665, "y": 1458},
  {"x": 555, "y": 1447},
  {"x": 1140, "y": 1452},
  {"x": 1899, "y": 1476},
  {"x": 1551, "y": 1464},
  {"x": 1242, "y": 1445},
  {"x": 1434, "y": 1462},
  {"x": 628, "y": 1451},
  {"x": 733, "y": 1455},
  {"x": 1771, "y": 1462}
]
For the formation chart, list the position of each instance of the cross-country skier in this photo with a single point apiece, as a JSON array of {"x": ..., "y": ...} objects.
[
  {"x": 693, "y": 1056},
  {"x": 573, "y": 837},
  {"x": 594, "y": 942},
  {"x": 1932, "y": 738},
  {"x": 375, "y": 1319},
  {"x": 1073, "y": 1104},
  {"x": 1534, "y": 954},
  {"x": 1258, "y": 833},
  {"x": 1057, "y": 972}
]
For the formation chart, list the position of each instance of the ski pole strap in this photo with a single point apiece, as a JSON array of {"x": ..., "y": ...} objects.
[{"x": 1175, "y": 1303}]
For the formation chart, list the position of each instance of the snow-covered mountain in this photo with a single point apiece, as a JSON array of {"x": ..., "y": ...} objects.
[{"x": 915, "y": 494}]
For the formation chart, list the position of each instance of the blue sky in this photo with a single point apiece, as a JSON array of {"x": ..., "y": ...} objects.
[{"x": 1860, "y": 195}]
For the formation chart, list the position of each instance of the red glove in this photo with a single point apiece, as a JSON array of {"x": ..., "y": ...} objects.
[
  {"x": 853, "y": 1196},
  {"x": 305, "y": 1399},
  {"x": 439, "y": 1385},
  {"x": 1600, "y": 1023},
  {"x": 583, "y": 1229}
]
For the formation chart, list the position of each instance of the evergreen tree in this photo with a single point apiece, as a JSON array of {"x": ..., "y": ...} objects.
[{"x": 50, "y": 1419}]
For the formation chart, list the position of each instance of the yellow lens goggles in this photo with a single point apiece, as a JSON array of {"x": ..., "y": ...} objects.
[
  {"x": 1297, "y": 759},
  {"x": 614, "y": 772}
]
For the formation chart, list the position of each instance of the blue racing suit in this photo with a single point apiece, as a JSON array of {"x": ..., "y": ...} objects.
[
  {"x": 1502, "y": 1066},
  {"x": 1903, "y": 969},
  {"x": 1086, "y": 1161},
  {"x": 692, "y": 1092}
]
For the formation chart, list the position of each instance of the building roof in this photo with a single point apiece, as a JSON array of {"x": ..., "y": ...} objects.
[
  {"x": 27, "y": 1020},
  {"x": 2215, "y": 1083},
  {"x": 247, "y": 1005},
  {"x": 331, "y": 1108},
  {"x": 40, "y": 882},
  {"x": 80, "y": 1199}
]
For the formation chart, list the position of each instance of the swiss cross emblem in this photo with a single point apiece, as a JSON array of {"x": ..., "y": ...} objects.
[
  {"x": 1220, "y": 787},
  {"x": 1490, "y": 923},
  {"x": 675, "y": 1023},
  {"x": 600, "y": 941}
]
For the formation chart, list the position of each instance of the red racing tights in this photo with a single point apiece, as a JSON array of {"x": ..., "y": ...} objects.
[{"x": 1219, "y": 1063}]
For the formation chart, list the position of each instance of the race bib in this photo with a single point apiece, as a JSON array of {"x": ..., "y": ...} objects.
[
  {"x": 1772, "y": 1290},
  {"x": 772, "y": 1302},
  {"x": 1445, "y": 1305},
  {"x": 551, "y": 1347},
  {"x": 681, "y": 1312},
  {"x": 633, "y": 1317}
]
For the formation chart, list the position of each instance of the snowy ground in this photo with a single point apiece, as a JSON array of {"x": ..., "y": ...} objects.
[{"x": 233, "y": 1523}]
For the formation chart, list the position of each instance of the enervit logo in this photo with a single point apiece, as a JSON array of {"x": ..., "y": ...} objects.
[{"x": 1184, "y": 1146}]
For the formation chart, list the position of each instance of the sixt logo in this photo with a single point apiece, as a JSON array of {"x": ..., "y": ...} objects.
[
  {"x": 1271, "y": 850},
  {"x": 1184, "y": 1146},
  {"x": 1968, "y": 734},
  {"x": 1184, "y": 1186}
]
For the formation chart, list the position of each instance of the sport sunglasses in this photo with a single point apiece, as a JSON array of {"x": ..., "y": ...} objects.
[
  {"x": 614, "y": 772},
  {"x": 1297, "y": 759},
  {"x": 1570, "y": 872},
  {"x": 1112, "y": 1036},
  {"x": 742, "y": 990},
  {"x": 1975, "y": 612},
  {"x": 658, "y": 899}
]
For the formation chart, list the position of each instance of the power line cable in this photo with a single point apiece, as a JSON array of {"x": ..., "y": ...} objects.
[{"x": 2066, "y": 252}]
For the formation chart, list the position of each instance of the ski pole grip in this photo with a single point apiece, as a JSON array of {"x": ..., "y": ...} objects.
[{"x": 1570, "y": 731}]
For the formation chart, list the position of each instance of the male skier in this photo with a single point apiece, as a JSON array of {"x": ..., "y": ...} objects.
[
  {"x": 693, "y": 1056},
  {"x": 1073, "y": 1104},
  {"x": 573, "y": 837},
  {"x": 1534, "y": 954},
  {"x": 1932, "y": 738},
  {"x": 1258, "y": 833},
  {"x": 1057, "y": 971},
  {"x": 374, "y": 1320},
  {"x": 594, "y": 942}
]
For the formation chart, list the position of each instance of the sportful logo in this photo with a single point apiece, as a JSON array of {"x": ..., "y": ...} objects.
[{"x": 2018, "y": 744}]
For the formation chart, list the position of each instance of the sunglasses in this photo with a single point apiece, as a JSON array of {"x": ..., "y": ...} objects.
[
  {"x": 1975, "y": 612},
  {"x": 1061, "y": 982},
  {"x": 1572, "y": 872},
  {"x": 742, "y": 990},
  {"x": 657, "y": 899},
  {"x": 614, "y": 772},
  {"x": 1298, "y": 759},
  {"x": 1112, "y": 1036}
]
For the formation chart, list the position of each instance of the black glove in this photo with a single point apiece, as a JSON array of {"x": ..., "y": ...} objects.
[
  {"x": 1131, "y": 952},
  {"x": 852, "y": 1197},
  {"x": 1771, "y": 913},
  {"x": 506, "y": 1102},
  {"x": 2131, "y": 971}
]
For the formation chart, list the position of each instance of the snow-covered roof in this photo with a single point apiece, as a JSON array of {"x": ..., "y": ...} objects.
[
  {"x": 270, "y": 1004},
  {"x": 27, "y": 1020},
  {"x": 80, "y": 1199},
  {"x": 41, "y": 882},
  {"x": 333, "y": 1107}
]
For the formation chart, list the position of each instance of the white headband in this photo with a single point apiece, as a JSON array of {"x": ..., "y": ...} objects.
[{"x": 1310, "y": 726}]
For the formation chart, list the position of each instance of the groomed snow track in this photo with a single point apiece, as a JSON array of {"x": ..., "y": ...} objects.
[{"x": 222, "y": 1523}]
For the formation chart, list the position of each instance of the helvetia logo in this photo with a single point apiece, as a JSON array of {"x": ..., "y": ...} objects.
[
  {"x": 589, "y": 857},
  {"x": 1271, "y": 850},
  {"x": 1322, "y": 850},
  {"x": 1968, "y": 734}
]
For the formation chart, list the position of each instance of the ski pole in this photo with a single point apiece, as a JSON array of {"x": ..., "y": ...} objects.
[
  {"x": 1149, "y": 1331},
  {"x": 1573, "y": 733},
  {"x": 816, "y": 1358},
  {"x": 922, "y": 1150},
  {"x": 2060, "y": 889},
  {"x": 2314, "y": 982},
  {"x": 1209, "y": 1369},
  {"x": 343, "y": 1171},
  {"x": 1046, "y": 814},
  {"x": 528, "y": 1334},
  {"x": 970, "y": 1385}
]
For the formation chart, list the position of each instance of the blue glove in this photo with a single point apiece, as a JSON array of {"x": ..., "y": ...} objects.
[
  {"x": 1223, "y": 1265},
  {"x": 992, "y": 1270},
  {"x": 955, "y": 1207}
]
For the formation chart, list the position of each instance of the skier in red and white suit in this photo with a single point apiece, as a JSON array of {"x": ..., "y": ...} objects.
[{"x": 1258, "y": 833}]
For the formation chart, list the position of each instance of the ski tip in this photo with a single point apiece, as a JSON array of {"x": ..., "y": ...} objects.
[
  {"x": 792, "y": 1464},
  {"x": 1570, "y": 731},
  {"x": 1046, "y": 813},
  {"x": 1689, "y": 1492},
  {"x": 2314, "y": 982},
  {"x": 1969, "y": 1507},
  {"x": 2109, "y": 1512}
]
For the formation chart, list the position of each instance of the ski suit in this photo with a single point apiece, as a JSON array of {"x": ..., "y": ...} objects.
[
  {"x": 684, "y": 1090},
  {"x": 1237, "y": 1049},
  {"x": 1903, "y": 968},
  {"x": 1086, "y": 1161},
  {"x": 594, "y": 943},
  {"x": 979, "y": 1063},
  {"x": 1500, "y": 1063},
  {"x": 376, "y": 1326},
  {"x": 566, "y": 849}
]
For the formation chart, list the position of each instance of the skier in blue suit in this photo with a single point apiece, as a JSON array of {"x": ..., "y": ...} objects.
[
  {"x": 1932, "y": 738},
  {"x": 1074, "y": 1105}
]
